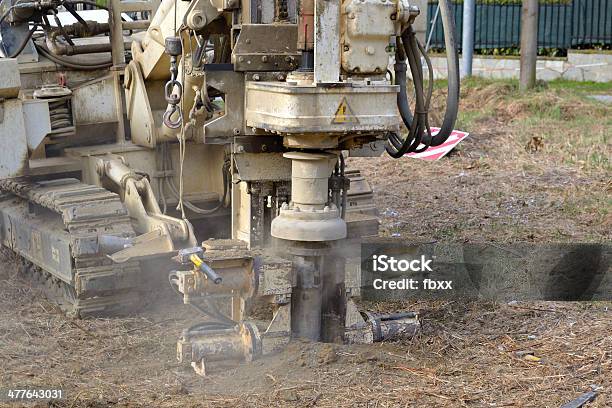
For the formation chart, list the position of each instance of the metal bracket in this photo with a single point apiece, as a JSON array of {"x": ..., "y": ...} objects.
[
  {"x": 266, "y": 47},
  {"x": 222, "y": 129}
]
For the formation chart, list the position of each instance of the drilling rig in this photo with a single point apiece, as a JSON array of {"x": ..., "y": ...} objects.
[{"x": 206, "y": 140}]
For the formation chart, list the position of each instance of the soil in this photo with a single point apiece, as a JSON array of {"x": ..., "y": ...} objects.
[{"x": 468, "y": 354}]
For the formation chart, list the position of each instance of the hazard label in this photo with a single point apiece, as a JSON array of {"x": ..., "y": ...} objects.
[{"x": 344, "y": 114}]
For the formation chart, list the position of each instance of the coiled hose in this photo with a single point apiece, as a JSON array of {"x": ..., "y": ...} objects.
[{"x": 417, "y": 122}]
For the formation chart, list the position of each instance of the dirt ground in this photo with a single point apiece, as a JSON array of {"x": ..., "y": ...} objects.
[
  {"x": 535, "y": 167},
  {"x": 501, "y": 185}
]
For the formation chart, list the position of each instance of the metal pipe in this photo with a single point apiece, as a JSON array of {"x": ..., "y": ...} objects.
[
  {"x": 306, "y": 299},
  {"x": 432, "y": 28},
  {"x": 136, "y": 25},
  {"x": 89, "y": 48},
  {"x": 116, "y": 35},
  {"x": 67, "y": 49},
  {"x": 467, "y": 43},
  {"x": 333, "y": 300}
]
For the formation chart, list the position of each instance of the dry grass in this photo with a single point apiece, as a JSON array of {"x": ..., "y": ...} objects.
[
  {"x": 468, "y": 355},
  {"x": 536, "y": 166}
]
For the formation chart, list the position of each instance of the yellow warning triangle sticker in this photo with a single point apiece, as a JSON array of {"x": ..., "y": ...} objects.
[{"x": 344, "y": 113}]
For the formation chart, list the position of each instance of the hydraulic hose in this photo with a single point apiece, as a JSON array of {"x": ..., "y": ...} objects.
[
  {"x": 452, "y": 60},
  {"x": 225, "y": 170},
  {"x": 80, "y": 65},
  {"x": 417, "y": 123},
  {"x": 220, "y": 320}
]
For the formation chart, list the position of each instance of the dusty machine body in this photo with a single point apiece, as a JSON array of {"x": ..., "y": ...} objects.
[{"x": 206, "y": 137}]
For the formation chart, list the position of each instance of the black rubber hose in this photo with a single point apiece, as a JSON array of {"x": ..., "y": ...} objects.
[
  {"x": 427, "y": 137},
  {"x": 69, "y": 64},
  {"x": 397, "y": 148},
  {"x": 418, "y": 122},
  {"x": 214, "y": 314},
  {"x": 400, "y": 69},
  {"x": 207, "y": 326},
  {"x": 452, "y": 60},
  {"x": 416, "y": 69},
  {"x": 429, "y": 72},
  {"x": 210, "y": 310}
]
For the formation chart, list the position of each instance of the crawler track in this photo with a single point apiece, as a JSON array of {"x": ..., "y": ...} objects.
[{"x": 55, "y": 225}]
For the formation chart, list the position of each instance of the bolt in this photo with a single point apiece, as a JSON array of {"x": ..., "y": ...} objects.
[
  {"x": 346, "y": 48},
  {"x": 264, "y": 148},
  {"x": 256, "y": 77},
  {"x": 264, "y": 58},
  {"x": 236, "y": 131},
  {"x": 240, "y": 59},
  {"x": 280, "y": 77}
]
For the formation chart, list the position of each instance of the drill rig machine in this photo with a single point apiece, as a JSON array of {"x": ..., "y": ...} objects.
[{"x": 128, "y": 140}]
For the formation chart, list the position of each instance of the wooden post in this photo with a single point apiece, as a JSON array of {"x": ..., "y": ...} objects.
[{"x": 529, "y": 44}]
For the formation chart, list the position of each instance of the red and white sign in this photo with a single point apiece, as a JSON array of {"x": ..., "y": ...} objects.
[{"x": 434, "y": 153}]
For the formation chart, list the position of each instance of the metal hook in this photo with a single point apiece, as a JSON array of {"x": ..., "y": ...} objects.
[{"x": 173, "y": 124}]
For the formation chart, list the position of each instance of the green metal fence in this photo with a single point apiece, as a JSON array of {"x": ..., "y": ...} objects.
[{"x": 561, "y": 24}]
